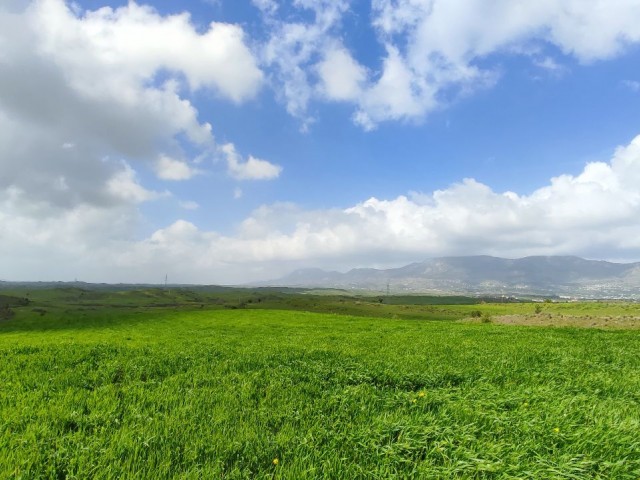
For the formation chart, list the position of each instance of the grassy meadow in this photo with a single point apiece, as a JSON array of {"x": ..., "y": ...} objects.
[{"x": 195, "y": 384}]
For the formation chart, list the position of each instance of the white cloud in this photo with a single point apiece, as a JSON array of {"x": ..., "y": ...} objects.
[
  {"x": 137, "y": 42},
  {"x": 78, "y": 95},
  {"x": 293, "y": 47},
  {"x": 632, "y": 85},
  {"x": 434, "y": 49},
  {"x": 445, "y": 38},
  {"x": 87, "y": 98},
  {"x": 168, "y": 168},
  {"x": 40, "y": 241},
  {"x": 251, "y": 169},
  {"x": 396, "y": 95},
  {"x": 124, "y": 184},
  {"x": 594, "y": 214},
  {"x": 266, "y": 6},
  {"x": 550, "y": 65},
  {"x": 459, "y": 30},
  {"x": 91, "y": 77},
  {"x": 341, "y": 76},
  {"x": 189, "y": 205}
]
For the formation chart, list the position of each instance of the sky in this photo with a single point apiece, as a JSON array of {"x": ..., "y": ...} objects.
[{"x": 230, "y": 141}]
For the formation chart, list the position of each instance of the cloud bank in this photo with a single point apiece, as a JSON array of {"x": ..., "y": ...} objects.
[{"x": 588, "y": 214}]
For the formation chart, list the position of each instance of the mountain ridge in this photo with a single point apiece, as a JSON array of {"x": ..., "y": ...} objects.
[{"x": 481, "y": 274}]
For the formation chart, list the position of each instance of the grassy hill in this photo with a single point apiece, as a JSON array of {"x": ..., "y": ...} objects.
[{"x": 157, "y": 384}]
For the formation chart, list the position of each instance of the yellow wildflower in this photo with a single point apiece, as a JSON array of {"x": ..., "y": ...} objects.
[{"x": 276, "y": 461}]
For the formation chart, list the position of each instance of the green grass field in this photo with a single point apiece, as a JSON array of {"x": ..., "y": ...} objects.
[{"x": 191, "y": 385}]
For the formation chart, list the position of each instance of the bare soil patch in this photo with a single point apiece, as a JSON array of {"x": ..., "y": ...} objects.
[{"x": 558, "y": 320}]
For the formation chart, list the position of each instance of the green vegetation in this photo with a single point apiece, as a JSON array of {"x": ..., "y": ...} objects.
[{"x": 247, "y": 384}]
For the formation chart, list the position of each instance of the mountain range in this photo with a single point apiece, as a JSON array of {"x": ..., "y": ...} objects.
[{"x": 538, "y": 275}]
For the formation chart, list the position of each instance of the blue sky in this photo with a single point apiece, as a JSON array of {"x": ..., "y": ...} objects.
[{"x": 230, "y": 141}]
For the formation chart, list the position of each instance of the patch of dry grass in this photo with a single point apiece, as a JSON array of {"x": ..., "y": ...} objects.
[{"x": 559, "y": 320}]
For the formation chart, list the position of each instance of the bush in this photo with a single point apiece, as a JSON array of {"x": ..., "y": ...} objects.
[{"x": 5, "y": 312}]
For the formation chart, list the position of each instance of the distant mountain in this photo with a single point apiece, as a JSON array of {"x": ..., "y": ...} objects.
[{"x": 556, "y": 275}]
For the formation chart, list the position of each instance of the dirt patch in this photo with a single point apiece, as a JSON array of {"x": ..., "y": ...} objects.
[{"x": 555, "y": 320}]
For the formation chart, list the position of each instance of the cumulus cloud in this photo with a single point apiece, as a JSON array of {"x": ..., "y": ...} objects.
[
  {"x": 136, "y": 42},
  {"x": 440, "y": 43},
  {"x": 84, "y": 109},
  {"x": 124, "y": 184},
  {"x": 341, "y": 76},
  {"x": 250, "y": 169},
  {"x": 168, "y": 168},
  {"x": 89, "y": 98},
  {"x": 594, "y": 214},
  {"x": 40, "y": 241},
  {"x": 396, "y": 95},
  {"x": 434, "y": 49},
  {"x": 80, "y": 91}
]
